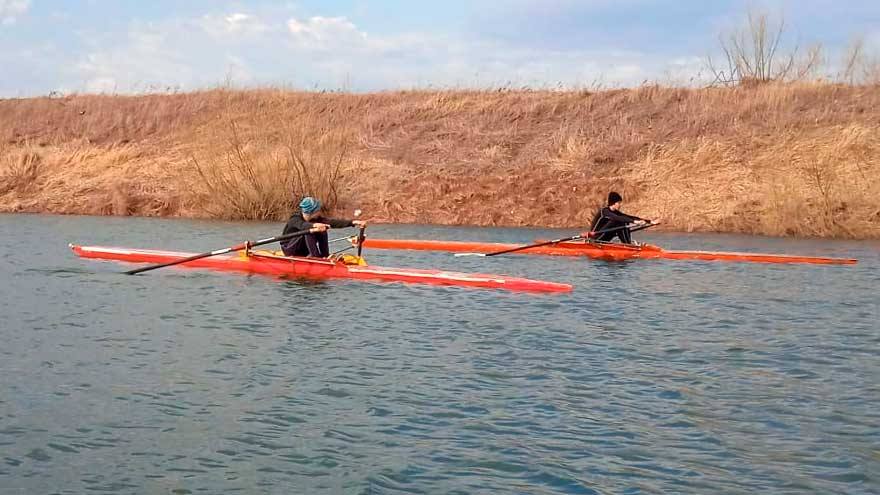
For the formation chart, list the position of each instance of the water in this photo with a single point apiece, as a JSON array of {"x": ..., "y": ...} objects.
[{"x": 651, "y": 377}]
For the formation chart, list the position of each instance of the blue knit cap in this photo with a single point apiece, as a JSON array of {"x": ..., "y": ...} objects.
[{"x": 309, "y": 205}]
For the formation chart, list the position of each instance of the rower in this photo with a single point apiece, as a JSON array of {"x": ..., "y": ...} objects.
[
  {"x": 614, "y": 222},
  {"x": 308, "y": 217}
]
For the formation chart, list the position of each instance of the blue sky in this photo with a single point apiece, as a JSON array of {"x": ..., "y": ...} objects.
[{"x": 361, "y": 45}]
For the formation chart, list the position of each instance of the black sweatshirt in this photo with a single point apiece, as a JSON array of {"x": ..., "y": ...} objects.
[
  {"x": 607, "y": 218},
  {"x": 297, "y": 223}
]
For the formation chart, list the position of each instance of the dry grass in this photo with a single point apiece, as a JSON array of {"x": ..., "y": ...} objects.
[
  {"x": 778, "y": 159},
  {"x": 255, "y": 178},
  {"x": 19, "y": 169}
]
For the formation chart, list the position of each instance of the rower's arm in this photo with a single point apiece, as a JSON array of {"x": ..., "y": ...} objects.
[
  {"x": 618, "y": 216},
  {"x": 338, "y": 223}
]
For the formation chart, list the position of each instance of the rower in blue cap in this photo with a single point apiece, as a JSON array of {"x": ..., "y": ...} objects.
[{"x": 308, "y": 217}]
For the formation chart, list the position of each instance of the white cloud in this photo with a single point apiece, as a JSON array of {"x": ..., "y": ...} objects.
[
  {"x": 686, "y": 70},
  {"x": 149, "y": 57},
  {"x": 326, "y": 33},
  {"x": 102, "y": 85},
  {"x": 11, "y": 9},
  {"x": 342, "y": 52},
  {"x": 504, "y": 42},
  {"x": 325, "y": 52},
  {"x": 233, "y": 25}
]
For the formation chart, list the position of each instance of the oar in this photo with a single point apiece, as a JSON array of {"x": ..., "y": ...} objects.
[
  {"x": 360, "y": 241},
  {"x": 643, "y": 227},
  {"x": 237, "y": 247},
  {"x": 556, "y": 241}
]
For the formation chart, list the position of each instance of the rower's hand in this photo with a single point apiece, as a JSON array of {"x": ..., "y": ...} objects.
[
  {"x": 359, "y": 223},
  {"x": 656, "y": 222},
  {"x": 319, "y": 227}
]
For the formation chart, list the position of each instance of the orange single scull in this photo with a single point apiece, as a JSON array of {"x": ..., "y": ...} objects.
[
  {"x": 269, "y": 263},
  {"x": 601, "y": 250}
]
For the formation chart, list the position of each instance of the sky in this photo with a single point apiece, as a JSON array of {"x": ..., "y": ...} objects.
[{"x": 131, "y": 46}]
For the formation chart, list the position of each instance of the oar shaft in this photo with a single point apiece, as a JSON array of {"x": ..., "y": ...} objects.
[
  {"x": 237, "y": 247},
  {"x": 643, "y": 227},
  {"x": 565, "y": 239},
  {"x": 184, "y": 260},
  {"x": 511, "y": 250}
]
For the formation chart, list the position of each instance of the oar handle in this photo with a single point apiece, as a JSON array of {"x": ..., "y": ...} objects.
[{"x": 360, "y": 240}]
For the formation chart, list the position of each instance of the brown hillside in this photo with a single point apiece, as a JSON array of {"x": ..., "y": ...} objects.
[{"x": 795, "y": 159}]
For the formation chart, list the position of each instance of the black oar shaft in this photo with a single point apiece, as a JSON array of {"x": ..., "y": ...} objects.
[
  {"x": 184, "y": 260},
  {"x": 237, "y": 247},
  {"x": 557, "y": 241},
  {"x": 511, "y": 250}
]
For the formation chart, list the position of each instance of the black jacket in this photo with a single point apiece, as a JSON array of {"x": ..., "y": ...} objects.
[
  {"x": 606, "y": 218},
  {"x": 297, "y": 223}
]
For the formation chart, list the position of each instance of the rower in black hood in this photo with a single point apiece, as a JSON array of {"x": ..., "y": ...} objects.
[{"x": 610, "y": 217}]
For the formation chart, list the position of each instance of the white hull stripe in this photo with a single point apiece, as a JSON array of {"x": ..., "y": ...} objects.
[{"x": 461, "y": 277}]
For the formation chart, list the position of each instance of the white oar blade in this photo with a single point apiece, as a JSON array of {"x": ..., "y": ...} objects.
[{"x": 469, "y": 254}]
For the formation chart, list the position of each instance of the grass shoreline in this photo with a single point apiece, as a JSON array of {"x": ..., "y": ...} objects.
[{"x": 798, "y": 159}]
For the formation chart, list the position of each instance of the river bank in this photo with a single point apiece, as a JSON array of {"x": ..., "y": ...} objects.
[{"x": 783, "y": 160}]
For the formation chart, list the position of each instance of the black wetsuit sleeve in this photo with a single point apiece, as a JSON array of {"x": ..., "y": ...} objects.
[
  {"x": 337, "y": 223},
  {"x": 618, "y": 216},
  {"x": 297, "y": 223}
]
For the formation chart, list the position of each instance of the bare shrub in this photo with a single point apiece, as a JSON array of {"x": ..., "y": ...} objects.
[
  {"x": 853, "y": 58},
  {"x": 257, "y": 180},
  {"x": 751, "y": 55},
  {"x": 859, "y": 66}
]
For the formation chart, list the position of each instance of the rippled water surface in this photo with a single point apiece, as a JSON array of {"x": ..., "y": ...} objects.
[{"x": 651, "y": 377}]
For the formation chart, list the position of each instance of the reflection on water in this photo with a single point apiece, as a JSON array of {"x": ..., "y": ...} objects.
[{"x": 652, "y": 377}]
